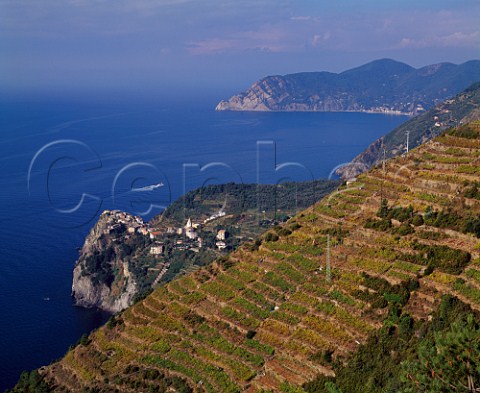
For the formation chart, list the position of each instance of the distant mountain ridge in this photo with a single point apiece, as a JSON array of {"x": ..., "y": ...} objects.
[{"x": 381, "y": 86}]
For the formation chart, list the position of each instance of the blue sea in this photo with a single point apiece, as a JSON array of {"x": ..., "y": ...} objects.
[{"x": 63, "y": 161}]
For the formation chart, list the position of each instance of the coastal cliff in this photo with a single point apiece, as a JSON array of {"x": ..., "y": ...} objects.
[
  {"x": 123, "y": 257},
  {"x": 382, "y": 86},
  {"x": 101, "y": 277}
]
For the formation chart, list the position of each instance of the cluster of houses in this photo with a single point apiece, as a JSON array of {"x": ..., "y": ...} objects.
[
  {"x": 121, "y": 221},
  {"x": 134, "y": 224},
  {"x": 190, "y": 231}
]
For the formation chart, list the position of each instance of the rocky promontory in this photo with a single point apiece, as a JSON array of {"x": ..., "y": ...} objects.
[
  {"x": 102, "y": 277},
  {"x": 123, "y": 257},
  {"x": 382, "y": 86}
]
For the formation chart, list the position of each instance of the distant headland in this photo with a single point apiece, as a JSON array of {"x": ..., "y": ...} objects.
[{"x": 382, "y": 86}]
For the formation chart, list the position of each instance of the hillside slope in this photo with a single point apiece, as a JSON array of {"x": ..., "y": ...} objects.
[
  {"x": 123, "y": 257},
  {"x": 382, "y": 86},
  {"x": 461, "y": 109},
  {"x": 262, "y": 317}
]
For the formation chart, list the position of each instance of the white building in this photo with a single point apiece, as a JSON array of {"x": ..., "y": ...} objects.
[
  {"x": 222, "y": 234},
  {"x": 157, "y": 250},
  {"x": 221, "y": 245}
]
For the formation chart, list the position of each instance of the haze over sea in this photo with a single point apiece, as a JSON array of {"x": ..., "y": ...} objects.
[{"x": 103, "y": 149}]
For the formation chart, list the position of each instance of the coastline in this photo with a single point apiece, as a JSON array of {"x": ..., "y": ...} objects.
[{"x": 368, "y": 111}]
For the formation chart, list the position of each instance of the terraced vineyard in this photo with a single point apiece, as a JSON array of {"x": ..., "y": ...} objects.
[{"x": 268, "y": 316}]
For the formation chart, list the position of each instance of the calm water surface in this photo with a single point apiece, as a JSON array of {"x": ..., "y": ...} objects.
[{"x": 54, "y": 151}]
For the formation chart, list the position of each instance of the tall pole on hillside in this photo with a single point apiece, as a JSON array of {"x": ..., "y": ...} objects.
[
  {"x": 328, "y": 267},
  {"x": 383, "y": 175},
  {"x": 384, "y": 162},
  {"x": 408, "y": 141}
]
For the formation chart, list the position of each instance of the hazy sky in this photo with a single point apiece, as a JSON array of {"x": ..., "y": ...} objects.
[{"x": 153, "y": 45}]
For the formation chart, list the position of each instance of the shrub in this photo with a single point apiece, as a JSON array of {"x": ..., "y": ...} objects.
[
  {"x": 295, "y": 226},
  {"x": 473, "y": 191},
  {"x": 114, "y": 320},
  {"x": 383, "y": 210},
  {"x": 404, "y": 229},
  {"x": 447, "y": 259},
  {"x": 84, "y": 340},
  {"x": 382, "y": 225},
  {"x": 31, "y": 382},
  {"x": 472, "y": 225},
  {"x": 284, "y": 232},
  {"x": 417, "y": 220},
  {"x": 271, "y": 237}
]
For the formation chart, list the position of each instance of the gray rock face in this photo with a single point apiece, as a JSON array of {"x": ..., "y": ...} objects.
[
  {"x": 89, "y": 294},
  {"x": 382, "y": 86},
  {"x": 277, "y": 93},
  {"x": 90, "y": 288}
]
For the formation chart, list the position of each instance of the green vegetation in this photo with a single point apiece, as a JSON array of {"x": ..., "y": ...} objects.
[
  {"x": 394, "y": 358},
  {"x": 446, "y": 259},
  {"x": 31, "y": 382},
  {"x": 469, "y": 131},
  {"x": 450, "y": 364},
  {"x": 240, "y": 198},
  {"x": 452, "y": 220},
  {"x": 423, "y": 127},
  {"x": 270, "y": 312},
  {"x": 472, "y": 190}
]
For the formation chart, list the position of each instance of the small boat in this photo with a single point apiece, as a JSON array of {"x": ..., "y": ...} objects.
[
  {"x": 46, "y": 299},
  {"x": 148, "y": 188}
]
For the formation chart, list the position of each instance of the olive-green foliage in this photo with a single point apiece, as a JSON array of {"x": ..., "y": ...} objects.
[
  {"x": 404, "y": 229},
  {"x": 468, "y": 131},
  {"x": 450, "y": 364},
  {"x": 84, "y": 340},
  {"x": 406, "y": 215},
  {"x": 114, "y": 320},
  {"x": 377, "y": 365},
  {"x": 31, "y": 382},
  {"x": 446, "y": 259},
  {"x": 152, "y": 380},
  {"x": 243, "y": 197},
  {"x": 337, "y": 232},
  {"x": 283, "y": 231},
  {"x": 417, "y": 220},
  {"x": 271, "y": 237},
  {"x": 452, "y": 220},
  {"x": 382, "y": 225},
  {"x": 385, "y": 293},
  {"x": 472, "y": 191}
]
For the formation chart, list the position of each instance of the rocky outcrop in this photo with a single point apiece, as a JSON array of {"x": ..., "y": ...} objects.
[
  {"x": 101, "y": 277},
  {"x": 88, "y": 293},
  {"x": 123, "y": 257},
  {"x": 382, "y": 86}
]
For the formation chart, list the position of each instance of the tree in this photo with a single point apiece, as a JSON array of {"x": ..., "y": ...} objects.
[
  {"x": 449, "y": 364},
  {"x": 383, "y": 211},
  {"x": 31, "y": 382}
]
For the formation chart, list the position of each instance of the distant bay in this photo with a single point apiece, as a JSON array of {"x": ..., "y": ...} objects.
[{"x": 99, "y": 151}]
